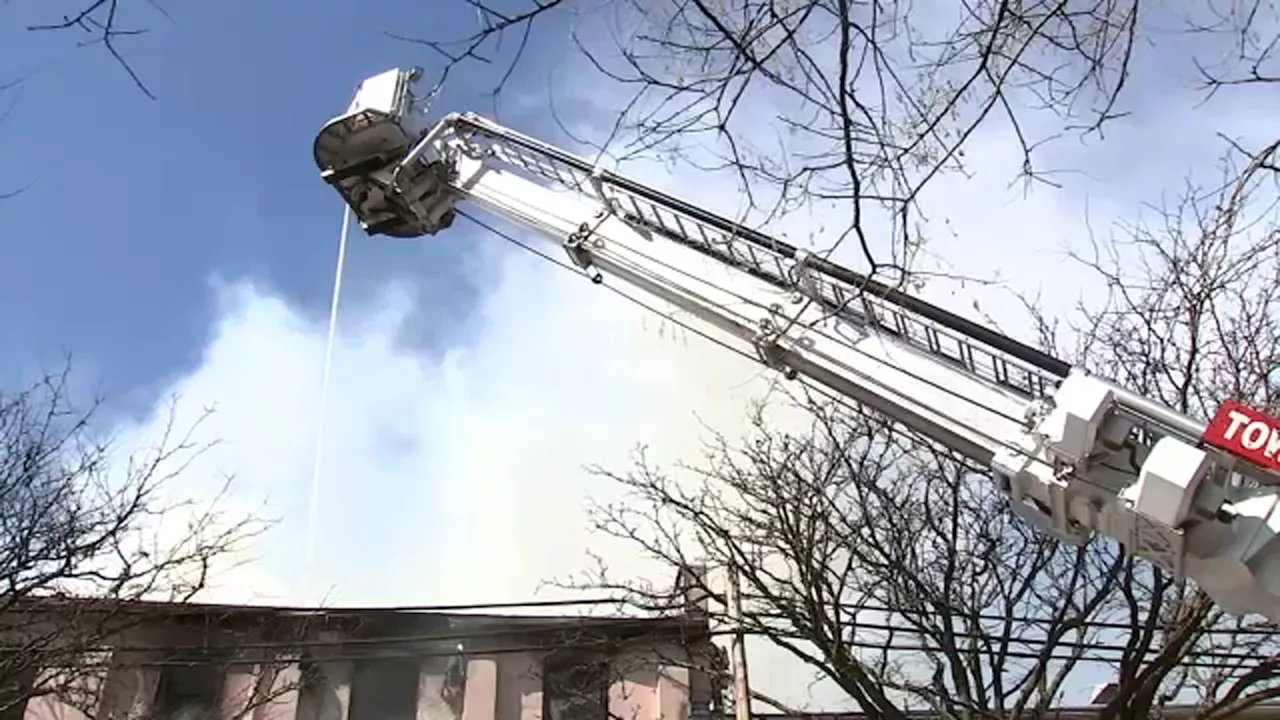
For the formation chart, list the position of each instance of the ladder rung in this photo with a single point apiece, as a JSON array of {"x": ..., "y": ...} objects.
[{"x": 837, "y": 296}]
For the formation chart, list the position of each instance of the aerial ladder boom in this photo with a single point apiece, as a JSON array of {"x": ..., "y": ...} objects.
[{"x": 1077, "y": 455}]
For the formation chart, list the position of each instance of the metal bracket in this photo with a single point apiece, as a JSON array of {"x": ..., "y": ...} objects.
[
  {"x": 765, "y": 341},
  {"x": 804, "y": 277},
  {"x": 596, "y": 179},
  {"x": 583, "y": 240}
]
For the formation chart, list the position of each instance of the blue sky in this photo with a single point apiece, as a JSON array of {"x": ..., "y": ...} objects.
[{"x": 136, "y": 203}]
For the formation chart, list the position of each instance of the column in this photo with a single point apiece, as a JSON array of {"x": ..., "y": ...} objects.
[
  {"x": 327, "y": 695},
  {"x": 282, "y": 700},
  {"x": 260, "y": 692},
  {"x": 129, "y": 688},
  {"x": 673, "y": 692},
  {"x": 432, "y": 681},
  {"x": 519, "y": 687},
  {"x": 145, "y": 682},
  {"x": 481, "y": 697},
  {"x": 633, "y": 688},
  {"x": 239, "y": 687}
]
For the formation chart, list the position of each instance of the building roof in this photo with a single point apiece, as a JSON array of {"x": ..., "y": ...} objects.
[{"x": 368, "y": 621}]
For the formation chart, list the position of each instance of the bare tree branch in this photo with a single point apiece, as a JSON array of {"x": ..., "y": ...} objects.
[
  {"x": 869, "y": 102},
  {"x": 83, "y": 533},
  {"x": 100, "y": 23}
]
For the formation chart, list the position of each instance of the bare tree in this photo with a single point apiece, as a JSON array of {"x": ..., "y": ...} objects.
[
  {"x": 887, "y": 566},
  {"x": 896, "y": 570},
  {"x": 85, "y": 533},
  {"x": 1250, "y": 56},
  {"x": 856, "y": 106},
  {"x": 1190, "y": 315}
]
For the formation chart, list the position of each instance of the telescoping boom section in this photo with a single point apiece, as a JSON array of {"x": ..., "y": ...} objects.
[{"x": 1076, "y": 455}]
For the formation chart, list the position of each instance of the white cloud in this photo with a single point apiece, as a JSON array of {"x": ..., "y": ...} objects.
[
  {"x": 477, "y": 457},
  {"x": 487, "y": 444}
]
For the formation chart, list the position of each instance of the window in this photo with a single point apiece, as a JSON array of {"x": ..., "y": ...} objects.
[
  {"x": 575, "y": 689},
  {"x": 189, "y": 692},
  {"x": 385, "y": 689}
]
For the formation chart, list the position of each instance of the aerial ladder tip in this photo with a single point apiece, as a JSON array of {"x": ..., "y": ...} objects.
[{"x": 362, "y": 153}]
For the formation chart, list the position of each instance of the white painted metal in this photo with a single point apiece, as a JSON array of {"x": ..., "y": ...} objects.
[{"x": 1076, "y": 455}]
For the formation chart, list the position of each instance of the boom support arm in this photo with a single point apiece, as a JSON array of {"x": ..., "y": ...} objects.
[{"x": 1076, "y": 455}]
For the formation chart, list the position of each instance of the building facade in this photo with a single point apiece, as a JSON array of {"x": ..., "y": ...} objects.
[{"x": 185, "y": 662}]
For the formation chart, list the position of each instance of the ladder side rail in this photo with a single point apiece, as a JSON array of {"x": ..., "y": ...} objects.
[
  {"x": 871, "y": 310},
  {"x": 472, "y": 123},
  {"x": 861, "y": 304},
  {"x": 970, "y": 415},
  {"x": 1150, "y": 419}
]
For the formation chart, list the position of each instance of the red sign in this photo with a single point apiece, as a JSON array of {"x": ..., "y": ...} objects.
[{"x": 1245, "y": 432}]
